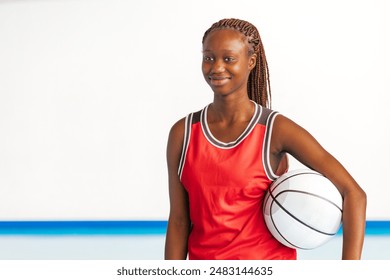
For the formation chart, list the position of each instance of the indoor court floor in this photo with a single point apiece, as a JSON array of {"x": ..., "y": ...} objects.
[{"x": 146, "y": 247}]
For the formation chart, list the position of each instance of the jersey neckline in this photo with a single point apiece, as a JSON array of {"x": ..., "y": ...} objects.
[{"x": 220, "y": 144}]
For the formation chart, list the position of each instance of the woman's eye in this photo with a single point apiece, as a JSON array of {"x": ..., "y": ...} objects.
[
  {"x": 229, "y": 59},
  {"x": 207, "y": 58}
]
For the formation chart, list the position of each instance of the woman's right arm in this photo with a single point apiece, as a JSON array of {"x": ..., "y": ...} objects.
[{"x": 179, "y": 223}]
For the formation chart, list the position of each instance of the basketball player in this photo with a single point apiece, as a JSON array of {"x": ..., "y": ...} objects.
[{"x": 222, "y": 159}]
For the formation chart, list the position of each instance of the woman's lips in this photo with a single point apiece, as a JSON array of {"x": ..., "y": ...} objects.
[{"x": 218, "y": 81}]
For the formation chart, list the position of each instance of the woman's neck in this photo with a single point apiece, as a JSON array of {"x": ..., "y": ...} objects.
[{"x": 231, "y": 108}]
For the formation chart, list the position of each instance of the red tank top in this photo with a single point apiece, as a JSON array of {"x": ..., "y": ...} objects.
[{"x": 226, "y": 184}]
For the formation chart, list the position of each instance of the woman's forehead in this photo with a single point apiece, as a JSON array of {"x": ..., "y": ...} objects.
[{"x": 225, "y": 39}]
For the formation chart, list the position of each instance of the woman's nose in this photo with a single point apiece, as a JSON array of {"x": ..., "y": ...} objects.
[{"x": 218, "y": 66}]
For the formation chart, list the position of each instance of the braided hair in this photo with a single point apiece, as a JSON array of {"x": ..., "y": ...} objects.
[{"x": 259, "y": 89}]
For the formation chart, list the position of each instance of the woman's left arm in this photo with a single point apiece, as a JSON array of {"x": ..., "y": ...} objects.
[{"x": 288, "y": 137}]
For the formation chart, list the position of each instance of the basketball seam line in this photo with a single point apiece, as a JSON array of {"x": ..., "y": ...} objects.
[
  {"x": 271, "y": 190},
  {"x": 312, "y": 194},
  {"x": 289, "y": 213},
  {"x": 272, "y": 219},
  {"x": 313, "y": 173}
]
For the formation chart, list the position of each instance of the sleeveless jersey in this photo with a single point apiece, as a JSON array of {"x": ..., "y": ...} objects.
[{"x": 226, "y": 184}]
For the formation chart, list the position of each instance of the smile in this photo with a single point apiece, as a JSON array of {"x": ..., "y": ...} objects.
[{"x": 218, "y": 81}]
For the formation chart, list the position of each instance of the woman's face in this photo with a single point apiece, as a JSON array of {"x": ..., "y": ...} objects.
[{"x": 226, "y": 61}]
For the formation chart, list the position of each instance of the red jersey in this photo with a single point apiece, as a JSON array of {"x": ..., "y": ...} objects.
[{"x": 226, "y": 184}]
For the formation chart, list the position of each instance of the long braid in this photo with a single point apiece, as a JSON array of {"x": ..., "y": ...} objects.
[{"x": 259, "y": 89}]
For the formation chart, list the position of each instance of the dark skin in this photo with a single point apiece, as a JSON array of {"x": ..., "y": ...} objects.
[{"x": 226, "y": 67}]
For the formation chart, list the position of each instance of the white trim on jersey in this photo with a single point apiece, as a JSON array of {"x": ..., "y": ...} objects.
[
  {"x": 186, "y": 141},
  {"x": 266, "y": 147},
  {"x": 223, "y": 145}
]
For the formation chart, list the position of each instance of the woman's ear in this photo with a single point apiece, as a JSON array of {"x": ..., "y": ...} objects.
[{"x": 252, "y": 61}]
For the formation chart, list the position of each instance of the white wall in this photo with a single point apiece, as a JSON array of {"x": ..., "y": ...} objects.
[{"x": 89, "y": 90}]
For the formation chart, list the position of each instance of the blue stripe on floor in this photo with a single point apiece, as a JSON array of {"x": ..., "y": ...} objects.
[
  {"x": 122, "y": 227},
  {"x": 378, "y": 227},
  {"x": 82, "y": 227}
]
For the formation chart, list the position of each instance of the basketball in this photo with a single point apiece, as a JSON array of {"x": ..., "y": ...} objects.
[{"x": 303, "y": 209}]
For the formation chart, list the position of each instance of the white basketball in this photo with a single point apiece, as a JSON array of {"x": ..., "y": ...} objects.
[{"x": 303, "y": 209}]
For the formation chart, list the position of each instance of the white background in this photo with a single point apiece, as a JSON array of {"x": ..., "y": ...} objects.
[{"x": 90, "y": 89}]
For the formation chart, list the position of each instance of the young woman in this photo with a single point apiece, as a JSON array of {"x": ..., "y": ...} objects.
[{"x": 222, "y": 159}]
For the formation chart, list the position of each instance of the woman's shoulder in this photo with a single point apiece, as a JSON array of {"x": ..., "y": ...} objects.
[
  {"x": 175, "y": 143},
  {"x": 177, "y": 129},
  {"x": 283, "y": 122}
]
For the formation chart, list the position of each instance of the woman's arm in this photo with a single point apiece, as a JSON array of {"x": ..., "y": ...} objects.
[
  {"x": 288, "y": 137},
  {"x": 179, "y": 224}
]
